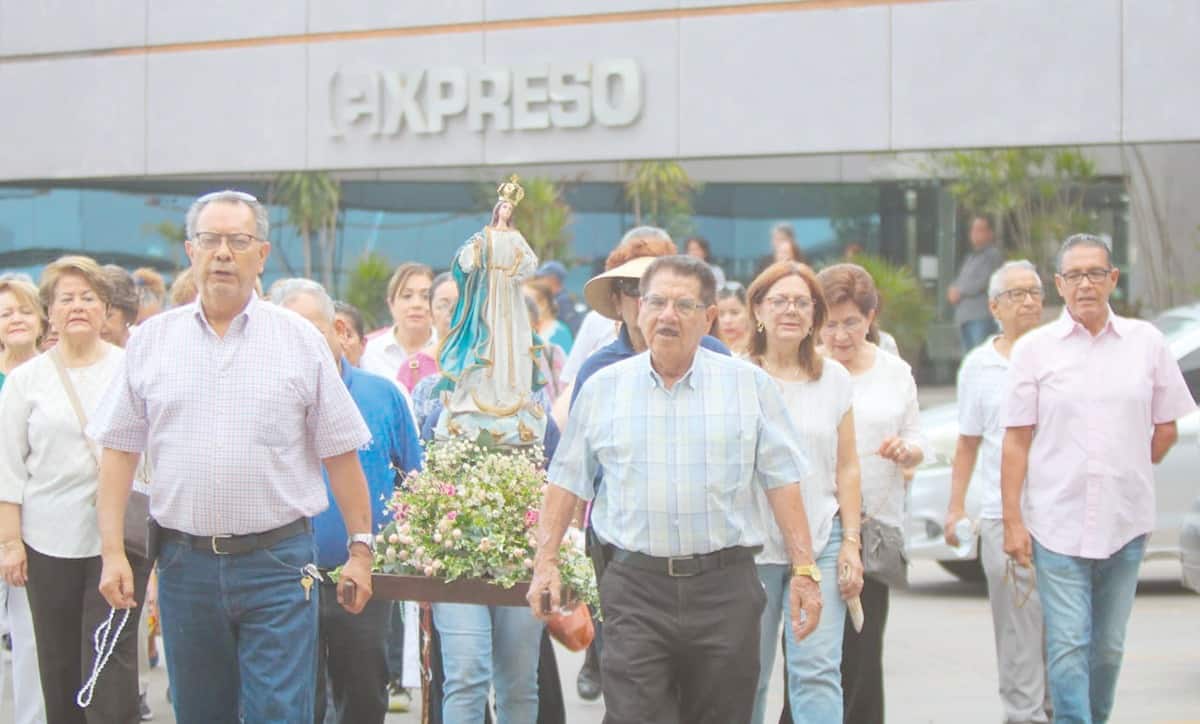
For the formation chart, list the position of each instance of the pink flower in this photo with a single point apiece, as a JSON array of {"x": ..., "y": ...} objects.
[
  {"x": 449, "y": 490},
  {"x": 531, "y": 518},
  {"x": 402, "y": 512},
  {"x": 452, "y": 515}
]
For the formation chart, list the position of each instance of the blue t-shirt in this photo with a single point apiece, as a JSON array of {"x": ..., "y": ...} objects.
[
  {"x": 621, "y": 348},
  {"x": 393, "y": 447}
]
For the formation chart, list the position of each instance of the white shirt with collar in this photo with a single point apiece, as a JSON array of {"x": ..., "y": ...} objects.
[{"x": 981, "y": 384}]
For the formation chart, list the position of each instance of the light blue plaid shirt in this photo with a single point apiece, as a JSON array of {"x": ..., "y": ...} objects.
[{"x": 679, "y": 464}]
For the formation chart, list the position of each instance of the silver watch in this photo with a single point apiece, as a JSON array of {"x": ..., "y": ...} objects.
[{"x": 365, "y": 538}]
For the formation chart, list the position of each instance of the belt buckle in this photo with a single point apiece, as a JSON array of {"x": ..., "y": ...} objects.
[
  {"x": 214, "y": 539},
  {"x": 671, "y": 567}
]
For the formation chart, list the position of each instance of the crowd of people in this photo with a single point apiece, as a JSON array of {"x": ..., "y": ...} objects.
[{"x": 741, "y": 452}]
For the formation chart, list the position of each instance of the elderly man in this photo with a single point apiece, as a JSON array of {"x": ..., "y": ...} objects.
[
  {"x": 1015, "y": 292},
  {"x": 968, "y": 294},
  {"x": 614, "y": 294},
  {"x": 682, "y": 435},
  {"x": 352, "y": 650},
  {"x": 1102, "y": 393},
  {"x": 237, "y": 403}
]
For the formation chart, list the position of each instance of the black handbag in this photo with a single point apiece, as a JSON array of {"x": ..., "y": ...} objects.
[{"x": 883, "y": 556}]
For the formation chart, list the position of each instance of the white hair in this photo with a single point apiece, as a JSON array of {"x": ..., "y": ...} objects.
[
  {"x": 262, "y": 225},
  {"x": 284, "y": 290},
  {"x": 642, "y": 232},
  {"x": 996, "y": 282}
]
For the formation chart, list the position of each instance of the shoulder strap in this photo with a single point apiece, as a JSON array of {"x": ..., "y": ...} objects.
[{"x": 73, "y": 396}]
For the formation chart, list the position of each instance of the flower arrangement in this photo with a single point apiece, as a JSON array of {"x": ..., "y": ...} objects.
[{"x": 472, "y": 513}]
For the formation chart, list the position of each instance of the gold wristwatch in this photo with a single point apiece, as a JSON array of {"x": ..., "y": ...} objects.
[{"x": 809, "y": 570}]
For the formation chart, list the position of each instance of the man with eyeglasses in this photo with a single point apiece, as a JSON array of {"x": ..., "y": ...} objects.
[
  {"x": 614, "y": 295},
  {"x": 1102, "y": 393},
  {"x": 1015, "y": 291},
  {"x": 682, "y": 434},
  {"x": 238, "y": 404},
  {"x": 968, "y": 295}
]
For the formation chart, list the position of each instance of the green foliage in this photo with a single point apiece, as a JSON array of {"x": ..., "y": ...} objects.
[
  {"x": 661, "y": 193},
  {"x": 174, "y": 234},
  {"x": 543, "y": 217},
  {"x": 905, "y": 311},
  {"x": 367, "y": 289},
  {"x": 312, "y": 199},
  {"x": 1034, "y": 195}
]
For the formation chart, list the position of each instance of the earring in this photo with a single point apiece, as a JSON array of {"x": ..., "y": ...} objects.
[{"x": 761, "y": 328}]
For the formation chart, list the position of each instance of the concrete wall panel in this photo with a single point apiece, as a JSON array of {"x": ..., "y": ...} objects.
[
  {"x": 50, "y": 26},
  {"x": 342, "y": 15},
  {"x": 651, "y": 135},
  {"x": 185, "y": 21},
  {"x": 75, "y": 118},
  {"x": 1162, "y": 57},
  {"x": 237, "y": 110},
  {"x": 338, "y": 72},
  {"x": 1005, "y": 72},
  {"x": 800, "y": 82}
]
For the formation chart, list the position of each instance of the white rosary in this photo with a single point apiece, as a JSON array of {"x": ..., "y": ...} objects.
[{"x": 104, "y": 647}]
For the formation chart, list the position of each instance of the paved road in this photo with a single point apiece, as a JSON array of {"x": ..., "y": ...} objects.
[{"x": 939, "y": 658}]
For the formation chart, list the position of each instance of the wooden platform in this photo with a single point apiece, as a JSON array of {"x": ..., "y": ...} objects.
[{"x": 430, "y": 588}]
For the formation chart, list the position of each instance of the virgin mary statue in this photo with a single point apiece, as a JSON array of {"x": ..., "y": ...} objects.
[{"x": 487, "y": 359}]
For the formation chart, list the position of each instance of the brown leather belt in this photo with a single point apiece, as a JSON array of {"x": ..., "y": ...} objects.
[
  {"x": 236, "y": 545},
  {"x": 683, "y": 566}
]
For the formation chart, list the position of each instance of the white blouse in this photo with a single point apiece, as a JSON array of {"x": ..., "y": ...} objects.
[
  {"x": 885, "y": 405},
  {"x": 817, "y": 408},
  {"x": 46, "y": 465}
]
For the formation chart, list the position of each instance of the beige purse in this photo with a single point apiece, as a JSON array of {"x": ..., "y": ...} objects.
[{"x": 137, "y": 509}]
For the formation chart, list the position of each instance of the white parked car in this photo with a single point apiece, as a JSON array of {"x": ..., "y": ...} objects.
[{"x": 1177, "y": 477}]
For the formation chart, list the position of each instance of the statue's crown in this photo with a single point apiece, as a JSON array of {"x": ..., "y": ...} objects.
[{"x": 511, "y": 191}]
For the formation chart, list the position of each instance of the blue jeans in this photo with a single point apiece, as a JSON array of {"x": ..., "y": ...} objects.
[
  {"x": 974, "y": 332},
  {"x": 814, "y": 665},
  {"x": 240, "y": 637},
  {"x": 1086, "y": 605},
  {"x": 485, "y": 645}
]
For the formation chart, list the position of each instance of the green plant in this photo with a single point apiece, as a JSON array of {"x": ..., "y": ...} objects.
[
  {"x": 904, "y": 312},
  {"x": 366, "y": 289},
  {"x": 661, "y": 194},
  {"x": 1034, "y": 195},
  {"x": 543, "y": 217},
  {"x": 312, "y": 199}
]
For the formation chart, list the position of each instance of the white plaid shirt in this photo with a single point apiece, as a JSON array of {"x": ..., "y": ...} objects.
[
  {"x": 236, "y": 427},
  {"x": 680, "y": 465}
]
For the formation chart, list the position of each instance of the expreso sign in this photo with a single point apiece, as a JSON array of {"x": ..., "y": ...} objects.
[{"x": 518, "y": 98}]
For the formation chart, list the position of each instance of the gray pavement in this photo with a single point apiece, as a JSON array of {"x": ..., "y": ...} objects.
[{"x": 939, "y": 661}]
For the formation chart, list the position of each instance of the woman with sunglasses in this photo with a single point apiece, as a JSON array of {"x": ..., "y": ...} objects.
[
  {"x": 888, "y": 439},
  {"x": 787, "y": 309}
]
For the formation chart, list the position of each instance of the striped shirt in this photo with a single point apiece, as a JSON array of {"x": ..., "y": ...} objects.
[
  {"x": 679, "y": 464},
  {"x": 236, "y": 427}
]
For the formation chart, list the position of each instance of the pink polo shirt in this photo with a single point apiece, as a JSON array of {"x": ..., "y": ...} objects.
[{"x": 1094, "y": 402}]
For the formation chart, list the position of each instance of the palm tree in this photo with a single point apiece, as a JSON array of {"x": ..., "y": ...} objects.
[
  {"x": 312, "y": 199},
  {"x": 543, "y": 217},
  {"x": 661, "y": 194}
]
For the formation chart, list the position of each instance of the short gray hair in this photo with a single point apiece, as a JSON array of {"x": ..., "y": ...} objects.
[
  {"x": 284, "y": 290},
  {"x": 1087, "y": 240},
  {"x": 646, "y": 232},
  {"x": 996, "y": 282},
  {"x": 262, "y": 225}
]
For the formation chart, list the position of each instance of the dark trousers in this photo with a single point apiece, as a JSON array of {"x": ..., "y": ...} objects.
[
  {"x": 352, "y": 653},
  {"x": 66, "y": 604},
  {"x": 680, "y": 649},
  {"x": 395, "y": 641},
  {"x": 862, "y": 658}
]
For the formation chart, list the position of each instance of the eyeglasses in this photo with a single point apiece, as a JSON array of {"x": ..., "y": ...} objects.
[
  {"x": 629, "y": 287},
  {"x": 684, "y": 307},
  {"x": 779, "y": 305},
  {"x": 1095, "y": 276},
  {"x": 1018, "y": 296},
  {"x": 210, "y": 240},
  {"x": 850, "y": 325}
]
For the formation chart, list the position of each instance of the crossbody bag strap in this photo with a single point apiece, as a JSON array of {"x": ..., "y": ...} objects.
[{"x": 73, "y": 396}]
